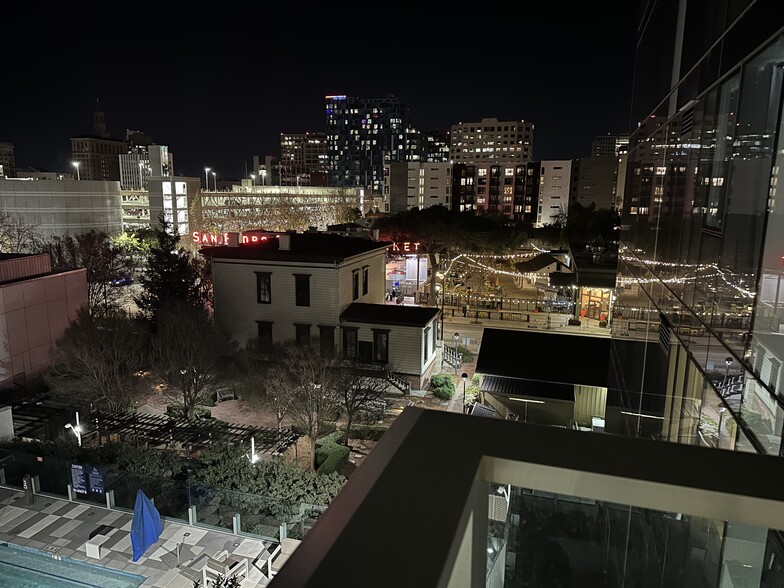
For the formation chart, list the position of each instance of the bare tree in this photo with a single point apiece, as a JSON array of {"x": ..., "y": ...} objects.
[
  {"x": 262, "y": 390},
  {"x": 17, "y": 236},
  {"x": 356, "y": 391},
  {"x": 311, "y": 382},
  {"x": 99, "y": 360},
  {"x": 187, "y": 354},
  {"x": 94, "y": 252}
]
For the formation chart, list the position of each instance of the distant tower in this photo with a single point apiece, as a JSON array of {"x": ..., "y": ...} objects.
[
  {"x": 492, "y": 141},
  {"x": 7, "y": 163},
  {"x": 99, "y": 122},
  {"x": 362, "y": 134},
  {"x": 98, "y": 155},
  {"x": 610, "y": 145}
]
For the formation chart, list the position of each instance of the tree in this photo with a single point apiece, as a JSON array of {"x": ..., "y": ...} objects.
[
  {"x": 17, "y": 236},
  {"x": 355, "y": 392},
  {"x": 99, "y": 359},
  {"x": 188, "y": 351},
  {"x": 311, "y": 382},
  {"x": 261, "y": 389},
  {"x": 92, "y": 251},
  {"x": 172, "y": 274}
]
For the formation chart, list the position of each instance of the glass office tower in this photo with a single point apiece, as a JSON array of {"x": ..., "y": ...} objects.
[{"x": 698, "y": 331}]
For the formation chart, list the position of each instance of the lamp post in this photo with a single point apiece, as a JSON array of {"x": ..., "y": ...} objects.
[
  {"x": 252, "y": 179},
  {"x": 76, "y": 429},
  {"x": 264, "y": 177},
  {"x": 76, "y": 165},
  {"x": 215, "y": 181},
  {"x": 728, "y": 363},
  {"x": 456, "y": 336},
  {"x": 206, "y": 178},
  {"x": 465, "y": 377}
]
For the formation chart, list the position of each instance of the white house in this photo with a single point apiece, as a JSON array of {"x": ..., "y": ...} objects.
[{"x": 321, "y": 289}]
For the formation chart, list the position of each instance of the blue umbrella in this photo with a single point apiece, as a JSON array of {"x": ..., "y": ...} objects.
[{"x": 146, "y": 526}]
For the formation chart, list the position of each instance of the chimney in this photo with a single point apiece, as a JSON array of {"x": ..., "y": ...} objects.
[
  {"x": 233, "y": 239},
  {"x": 284, "y": 242},
  {"x": 375, "y": 234}
]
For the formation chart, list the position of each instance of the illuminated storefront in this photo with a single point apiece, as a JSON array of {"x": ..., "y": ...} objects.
[{"x": 407, "y": 268}]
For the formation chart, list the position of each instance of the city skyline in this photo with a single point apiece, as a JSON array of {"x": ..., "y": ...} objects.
[{"x": 218, "y": 102}]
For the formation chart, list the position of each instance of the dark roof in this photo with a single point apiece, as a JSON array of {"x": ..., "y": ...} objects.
[
  {"x": 483, "y": 410},
  {"x": 536, "y": 263},
  {"x": 563, "y": 279},
  {"x": 547, "y": 357},
  {"x": 315, "y": 247},
  {"x": 514, "y": 387},
  {"x": 389, "y": 314}
]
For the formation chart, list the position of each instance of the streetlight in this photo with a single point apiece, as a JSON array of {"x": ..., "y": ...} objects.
[
  {"x": 215, "y": 181},
  {"x": 206, "y": 178},
  {"x": 728, "y": 363},
  {"x": 264, "y": 177},
  {"x": 465, "y": 377},
  {"x": 76, "y": 429},
  {"x": 252, "y": 179},
  {"x": 456, "y": 336},
  {"x": 76, "y": 165}
]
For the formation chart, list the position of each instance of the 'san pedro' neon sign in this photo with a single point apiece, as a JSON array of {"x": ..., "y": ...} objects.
[{"x": 203, "y": 238}]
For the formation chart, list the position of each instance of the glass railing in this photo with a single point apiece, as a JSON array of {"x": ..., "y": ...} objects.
[
  {"x": 235, "y": 512},
  {"x": 558, "y": 540}
]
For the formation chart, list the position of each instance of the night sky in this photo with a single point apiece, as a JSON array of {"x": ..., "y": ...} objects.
[{"x": 219, "y": 88}]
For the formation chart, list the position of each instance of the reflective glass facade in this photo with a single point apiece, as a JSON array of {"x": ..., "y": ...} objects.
[{"x": 702, "y": 250}]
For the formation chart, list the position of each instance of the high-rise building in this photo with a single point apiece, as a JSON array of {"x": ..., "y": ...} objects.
[
  {"x": 596, "y": 180},
  {"x": 417, "y": 184},
  {"x": 304, "y": 159},
  {"x": 143, "y": 161},
  {"x": 492, "y": 141},
  {"x": 435, "y": 146},
  {"x": 97, "y": 156},
  {"x": 363, "y": 133},
  {"x": 7, "y": 161},
  {"x": 610, "y": 145},
  {"x": 555, "y": 184}
]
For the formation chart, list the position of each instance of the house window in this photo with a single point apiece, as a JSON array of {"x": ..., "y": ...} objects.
[
  {"x": 380, "y": 346},
  {"x": 350, "y": 342},
  {"x": 434, "y": 338},
  {"x": 265, "y": 333},
  {"x": 365, "y": 276},
  {"x": 327, "y": 340},
  {"x": 264, "y": 287},
  {"x": 426, "y": 345},
  {"x": 302, "y": 334},
  {"x": 355, "y": 285},
  {"x": 302, "y": 289}
]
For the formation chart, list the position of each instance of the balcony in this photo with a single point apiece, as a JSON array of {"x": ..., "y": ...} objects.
[{"x": 423, "y": 510}]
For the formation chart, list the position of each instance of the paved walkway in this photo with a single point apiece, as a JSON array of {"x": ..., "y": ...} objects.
[{"x": 61, "y": 528}]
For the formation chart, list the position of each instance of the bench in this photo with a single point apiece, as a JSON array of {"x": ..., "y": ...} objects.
[{"x": 94, "y": 547}]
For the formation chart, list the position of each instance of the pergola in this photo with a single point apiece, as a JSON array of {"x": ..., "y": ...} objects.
[{"x": 180, "y": 433}]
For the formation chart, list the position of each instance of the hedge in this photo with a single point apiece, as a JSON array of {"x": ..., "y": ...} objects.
[
  {"x": 443, "y": 386},
  {"x": 330, "y": 455}
]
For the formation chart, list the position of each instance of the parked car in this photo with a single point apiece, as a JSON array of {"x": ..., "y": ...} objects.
[{"x": 122, "y": 281}]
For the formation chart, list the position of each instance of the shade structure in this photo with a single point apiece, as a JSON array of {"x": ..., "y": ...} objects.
[{"x": 146, "y": 526}]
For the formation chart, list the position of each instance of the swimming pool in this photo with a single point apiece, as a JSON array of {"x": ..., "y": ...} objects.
[{"x": 23, "y": 567}]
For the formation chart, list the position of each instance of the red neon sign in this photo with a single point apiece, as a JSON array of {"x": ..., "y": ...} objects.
[
  {"x": 209, "y": 238},
  {"x": 203, "y": 238},
  {"x": 405, "y": 247}
]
